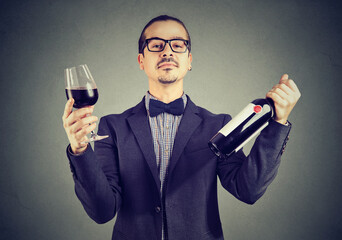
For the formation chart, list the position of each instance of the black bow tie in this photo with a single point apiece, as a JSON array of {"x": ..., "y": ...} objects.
[{"x": 157, "y": 107}]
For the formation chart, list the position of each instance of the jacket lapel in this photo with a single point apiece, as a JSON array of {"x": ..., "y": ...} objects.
[
  {"x": 139, "y": 124},
  {"x": 190, "y": 121},
  {"x": 141, "y": 129}
]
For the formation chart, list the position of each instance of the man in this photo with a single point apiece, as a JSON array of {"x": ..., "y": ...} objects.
[{"x": 155, "y": 170}]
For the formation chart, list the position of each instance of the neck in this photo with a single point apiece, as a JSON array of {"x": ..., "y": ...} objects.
[{"x": 166, "y": 92}]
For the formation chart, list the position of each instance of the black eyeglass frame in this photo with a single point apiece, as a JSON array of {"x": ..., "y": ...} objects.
[{"x": 166, "y": 41}]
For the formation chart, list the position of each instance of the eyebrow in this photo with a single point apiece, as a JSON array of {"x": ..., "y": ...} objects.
[{"x": 175, "y": 37}]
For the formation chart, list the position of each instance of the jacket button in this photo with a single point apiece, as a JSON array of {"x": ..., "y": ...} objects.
[{"x": 157, "y": 209}]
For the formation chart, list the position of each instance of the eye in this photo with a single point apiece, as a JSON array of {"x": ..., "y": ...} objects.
[
  {"x": 178, "y": 45},
  {"x": 155, "y": 44}
]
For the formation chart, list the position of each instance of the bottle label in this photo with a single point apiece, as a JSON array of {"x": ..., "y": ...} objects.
[{"x": 238, "y": 119}]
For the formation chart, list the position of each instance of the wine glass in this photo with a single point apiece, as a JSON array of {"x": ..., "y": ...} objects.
[{"x": 80, "y": 85}]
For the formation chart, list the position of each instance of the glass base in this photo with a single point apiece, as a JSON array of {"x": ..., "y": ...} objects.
[{"x": 95, "y": 137}]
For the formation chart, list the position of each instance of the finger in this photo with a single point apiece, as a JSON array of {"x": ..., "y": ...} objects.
[
  {"x": 281, "y": 93},
  {"x": 286, "y": 88},
  {"x": 286, "y": 94},
  {"x": 78, "y": 114},
  {"x": 284, "y": 78},
  {"x": 294, "y": 87},
  {"x": 276, "y": 98},
  {"x": 84, "y": 131},
  {"x": 68, "y": 108},
  {"x": 83, "y": 112},
  {"x": 83, "y": 122}
]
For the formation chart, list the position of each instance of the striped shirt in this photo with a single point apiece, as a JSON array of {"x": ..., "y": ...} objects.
[{"x": 163, "y": 128}]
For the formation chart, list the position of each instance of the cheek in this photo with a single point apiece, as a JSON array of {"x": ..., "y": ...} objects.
[
  {"x": 149, "y": 64},
  {"x": 184, "y": 64},
  {"x": 150, "y": 68}
]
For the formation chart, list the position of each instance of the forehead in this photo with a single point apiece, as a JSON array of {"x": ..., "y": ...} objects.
[{"x": 166, "y": 29}]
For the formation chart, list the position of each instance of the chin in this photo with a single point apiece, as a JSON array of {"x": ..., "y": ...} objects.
[{"x": 167, "y": 80}]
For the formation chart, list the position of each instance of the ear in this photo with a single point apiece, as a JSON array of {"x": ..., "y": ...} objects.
[
  {"x": 190, "y": 59},
  {"x": 141, "y": 61}
]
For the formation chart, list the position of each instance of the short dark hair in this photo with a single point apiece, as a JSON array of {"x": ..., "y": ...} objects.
[{"x": 156, "y": 19}]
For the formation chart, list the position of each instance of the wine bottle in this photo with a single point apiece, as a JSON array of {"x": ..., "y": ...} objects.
[{"x": 242, "y": 128}]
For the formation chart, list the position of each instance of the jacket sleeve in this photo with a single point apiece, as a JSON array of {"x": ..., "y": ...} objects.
[
  {"x": 96, "y": 176},
  {"x": 247, "y": 178}
]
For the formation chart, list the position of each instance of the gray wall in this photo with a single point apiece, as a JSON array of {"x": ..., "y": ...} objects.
[{"x": 240, "y": 50}]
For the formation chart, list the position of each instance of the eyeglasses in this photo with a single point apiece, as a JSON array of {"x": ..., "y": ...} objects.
[{"x": 158, "y": 45}]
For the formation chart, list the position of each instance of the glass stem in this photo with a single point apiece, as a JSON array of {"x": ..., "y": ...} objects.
[{"x": 92, "y": 134}]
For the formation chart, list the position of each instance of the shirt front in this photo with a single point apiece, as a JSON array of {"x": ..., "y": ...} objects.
[{"x": 163, "y": 128}]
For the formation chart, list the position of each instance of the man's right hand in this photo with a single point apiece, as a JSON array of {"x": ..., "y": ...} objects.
[{"x": 77, "y": 125}]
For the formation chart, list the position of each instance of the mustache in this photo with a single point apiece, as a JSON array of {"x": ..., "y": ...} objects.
[{"x": 170, "y": 59}]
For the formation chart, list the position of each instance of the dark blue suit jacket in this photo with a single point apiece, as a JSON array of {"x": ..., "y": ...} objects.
[{"x": 121, "y": 176}]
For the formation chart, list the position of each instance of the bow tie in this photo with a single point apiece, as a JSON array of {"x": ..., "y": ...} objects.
[{"x": 157, "y": 107}]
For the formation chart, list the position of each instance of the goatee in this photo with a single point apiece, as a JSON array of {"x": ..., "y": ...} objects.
[{"x": 165, "y": 80}]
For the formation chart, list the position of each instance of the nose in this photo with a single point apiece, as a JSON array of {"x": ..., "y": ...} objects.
[{"x": 167, "y": 51}]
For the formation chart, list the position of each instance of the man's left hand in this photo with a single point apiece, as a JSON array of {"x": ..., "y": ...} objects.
[{"x": 285, "y": 96}]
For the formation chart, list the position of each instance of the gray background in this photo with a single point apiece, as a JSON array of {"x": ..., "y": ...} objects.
[{"x": 240, "y": 50}]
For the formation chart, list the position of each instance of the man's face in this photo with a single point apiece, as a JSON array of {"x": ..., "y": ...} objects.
[{"x": 154, "y": 63}]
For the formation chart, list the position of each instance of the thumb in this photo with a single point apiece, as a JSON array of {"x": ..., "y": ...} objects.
[
  {"x": 284, "y": 78},
  {"x": 68, "y": 108}
]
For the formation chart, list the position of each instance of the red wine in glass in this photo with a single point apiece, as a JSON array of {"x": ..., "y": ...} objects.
[
  {"x": 83, "y": 97},
  {"x": 80, "y": 85}
]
